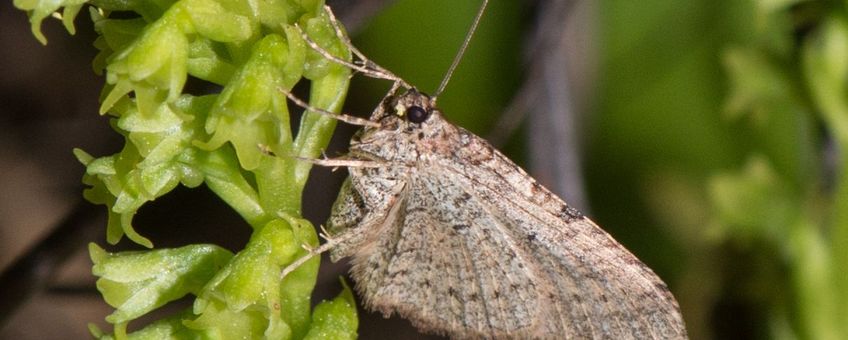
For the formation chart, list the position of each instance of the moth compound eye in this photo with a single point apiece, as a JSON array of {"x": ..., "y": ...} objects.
[{"x": 416, "y": 114}]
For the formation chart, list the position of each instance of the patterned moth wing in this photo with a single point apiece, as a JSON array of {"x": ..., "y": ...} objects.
[{"x": 453, "y": 236}]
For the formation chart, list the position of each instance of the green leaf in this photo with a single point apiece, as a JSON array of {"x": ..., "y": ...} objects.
[
  {"x": 206, "y": 61},
  {"x": 335, "y": 319},
  {"x": 41, "y": 9},
  {"x": 251, "y": 283},
  {"x": 137, "y": 282},
  {"x": 170, "y": 328},
  {"x": 252, "y": 278},
  {"x": 215, "y": 22},
  {"x": 320, "y": 30},
  {"x": 251, "y": 110},
  {"x": 296, "y": 288},
  {"x": 224, "y": 177},
  {"x": 159, "y": 155},
  {"x": 149, "y": 67},
  {"x": 220, "y": 322}
]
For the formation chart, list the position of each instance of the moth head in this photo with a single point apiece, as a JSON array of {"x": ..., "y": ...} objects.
[
  {"x": 413, "y": 106},
  {"x": 409, "y": 108},
  {"x": 407, "y": 122}
]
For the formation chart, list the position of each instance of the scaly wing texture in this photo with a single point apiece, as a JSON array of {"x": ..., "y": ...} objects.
[
  {"x": 478, "y": 249},
  {"x": 465, "y": 243},
  {"x": 595, "y": 287},
  {"x": 447, "y": 266}
]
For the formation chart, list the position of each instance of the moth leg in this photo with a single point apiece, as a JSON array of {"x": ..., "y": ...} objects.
[
  {"x": 307, "y": 247},
  {"x": 338, "y": 116},
  {"x": 365, "y": 62},
  {"x": 329, "y": 56},
  {"x": 367, "y": 67},
  {"x": 331, "y": 243},
  {"x": 344, "y": 38},
  {"x": 312, "y": 252},
  {"x": 324, "y": 233},
  {"x": 345, "y": 162},
  {"x": 339, "y": 238}
]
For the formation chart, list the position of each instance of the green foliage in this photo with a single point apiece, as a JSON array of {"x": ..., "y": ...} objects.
[
  {"x": 239, "y": 142},
  {"x": 783, "y": 192},
  {"x": 137, "y": 282},
  {"x": 724, "y": 123},
  {"x": 335, "y": 319}
]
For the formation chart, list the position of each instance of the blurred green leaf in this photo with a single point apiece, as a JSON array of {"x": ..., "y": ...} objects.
[
  {"x": 824, "y": 56},
  {"x": 758, "y": 87},
  {"x": 753, "y": 203}
]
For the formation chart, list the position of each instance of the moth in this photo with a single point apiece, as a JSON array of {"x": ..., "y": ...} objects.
[{"x": 447, "y": 232}]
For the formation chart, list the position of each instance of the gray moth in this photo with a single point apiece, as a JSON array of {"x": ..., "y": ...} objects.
[{"x": 447, "y": 232}]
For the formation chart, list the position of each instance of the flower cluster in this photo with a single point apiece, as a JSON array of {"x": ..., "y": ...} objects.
[{"x": 236, "y": 138}]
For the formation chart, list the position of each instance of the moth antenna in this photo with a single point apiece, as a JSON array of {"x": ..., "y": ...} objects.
[
  {"x": 461, "y": 51},
  {"x": 352, "y": 120}
]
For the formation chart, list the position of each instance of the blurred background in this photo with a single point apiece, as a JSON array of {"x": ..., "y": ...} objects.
[{"x": 708, "y": 137}]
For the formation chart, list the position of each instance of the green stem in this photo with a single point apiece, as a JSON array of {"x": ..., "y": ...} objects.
[
  {"x": 278, "y": 192},
  {"x": 315, "y": 129}
]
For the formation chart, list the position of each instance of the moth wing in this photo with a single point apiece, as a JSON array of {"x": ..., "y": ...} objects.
[
  {"x": 445, "y": 264},
  {"x": 590, "y": 285}
]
